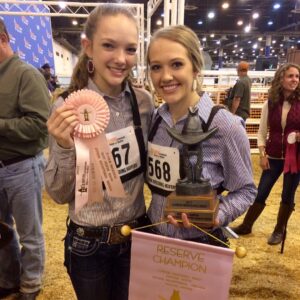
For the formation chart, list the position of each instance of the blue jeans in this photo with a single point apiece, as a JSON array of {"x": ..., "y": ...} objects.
[
  {"x": 268, "y": 179},
  {"x": 98, "y": 271},
  {"x": 21, "y": 202}
]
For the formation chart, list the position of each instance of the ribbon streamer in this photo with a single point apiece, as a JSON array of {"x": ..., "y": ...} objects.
[
  {"x": 94, "y": 161},
  {"x": 292, "y": 159}
]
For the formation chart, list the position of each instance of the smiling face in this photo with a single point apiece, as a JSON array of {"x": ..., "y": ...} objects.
[
  {"x": 171, "y": 72},
  {"x": 113, "y": 51},
  {"x": 290, "y": 80}
]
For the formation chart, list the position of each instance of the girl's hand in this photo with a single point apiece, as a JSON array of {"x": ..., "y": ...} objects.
[
  {"x": 61, "y": 125},
  {"x": 264, "y": 163}
]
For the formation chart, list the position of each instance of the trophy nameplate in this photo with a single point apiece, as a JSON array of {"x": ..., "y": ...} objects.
[
  {"x": 206, "y": 201},
  {"x": 200, "y": 217},
  {"x": 194, "y": 194}
]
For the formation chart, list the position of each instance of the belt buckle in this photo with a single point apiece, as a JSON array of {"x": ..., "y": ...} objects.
[{"x": 115, "y": 236}]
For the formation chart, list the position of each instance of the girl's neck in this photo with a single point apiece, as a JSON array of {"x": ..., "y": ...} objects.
[
  {"x": 180, "y": 109},
  {"x": 286, "y": 95},
  {"x": 112, "y": 91}
]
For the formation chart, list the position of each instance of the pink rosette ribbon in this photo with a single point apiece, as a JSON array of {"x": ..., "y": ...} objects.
[
  {"x": 292, "y": 159},
  {"x": 94, "y": 162}
]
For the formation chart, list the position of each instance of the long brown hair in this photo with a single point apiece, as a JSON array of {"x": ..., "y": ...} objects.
[
  {"x": 186, "y": 37},
  {"x": 276, "y": 90},
  {"x": 80, "y": 74}
]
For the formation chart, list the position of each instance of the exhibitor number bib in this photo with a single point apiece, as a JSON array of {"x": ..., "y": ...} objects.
[
  {"x": 124, "y": 149},
  {"x": 162, "y": 166}
]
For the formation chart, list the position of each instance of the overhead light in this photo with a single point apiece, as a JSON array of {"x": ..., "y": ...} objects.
[
  {"x": 270, "y": 23},
  {"x": 212, "y": 35},
  {"x": 62, "y": 4},
  {"x": 200, "y": 22},
  {"x": 83, "y": 35},
  {"x": 247, "y": 28},
  {"x": 211, "y": 15},
  {"x": 240, "y": 22},
  {"x": 204, "y": 39},
  {"x": 225, "y": 5},
  {"x": 254, "y": 46},
  {"x": 75, "y": 22},
  {"x": 276, "y": 6},
  {"x": 159, "y": 22},
  {"x": 255, "y": 16},
  {"x": 260, "y": 38}
]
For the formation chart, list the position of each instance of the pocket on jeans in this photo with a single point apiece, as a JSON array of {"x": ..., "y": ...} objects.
[{"x": 83, "y": 246}]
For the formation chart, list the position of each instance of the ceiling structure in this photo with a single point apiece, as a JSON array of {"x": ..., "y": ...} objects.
[{"x": 220, "y": 35}]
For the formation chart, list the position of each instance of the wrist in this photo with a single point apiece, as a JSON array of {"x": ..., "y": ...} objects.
[{"x": 262, "y": 153}]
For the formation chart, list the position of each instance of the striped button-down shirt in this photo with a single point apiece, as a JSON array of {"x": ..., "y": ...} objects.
[
  {"x": 226, "y": 162},
  {"x": 60, "y": 169}
]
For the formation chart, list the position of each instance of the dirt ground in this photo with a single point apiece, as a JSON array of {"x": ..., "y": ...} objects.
[{"x": 263, "y": 274}]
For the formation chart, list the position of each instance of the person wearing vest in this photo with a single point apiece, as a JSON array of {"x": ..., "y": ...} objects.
[
  {"x": 97, "y": 255},
  {"x": 278, "y": 142},
  {"x": 174, "y": 63}
]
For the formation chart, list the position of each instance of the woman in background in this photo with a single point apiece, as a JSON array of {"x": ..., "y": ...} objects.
[
  {"x": 175, "y": 62},
  {"x": 97, "y": 255},
  {"x": 280, "y": 117}
]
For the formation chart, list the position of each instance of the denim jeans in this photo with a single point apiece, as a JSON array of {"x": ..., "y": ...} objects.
[
  {"x": 269, "y": 178},
  {"x": 21, "y": 202},
  {"x": 98, "y": 271}
]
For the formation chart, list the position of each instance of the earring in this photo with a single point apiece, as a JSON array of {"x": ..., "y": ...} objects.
[
  {"x": 90, "y": 66},
  {"x": 194, "y": 87}
]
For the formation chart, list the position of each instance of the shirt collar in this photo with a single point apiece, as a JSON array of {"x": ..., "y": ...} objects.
[{"x": 205, "y": 104}]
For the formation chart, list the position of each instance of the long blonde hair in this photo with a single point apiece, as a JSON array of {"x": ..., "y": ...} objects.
[
  {"x": 188, "y": 39},
  {"x": 276, "y": 90},
  {"x": 80, "y": 74}
]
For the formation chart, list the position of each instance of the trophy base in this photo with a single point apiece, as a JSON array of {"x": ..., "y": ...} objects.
[
  {"x": 200, "y": 209},
  {"x": 202, "y": 218},
  {"x": 205, "y": 201}
]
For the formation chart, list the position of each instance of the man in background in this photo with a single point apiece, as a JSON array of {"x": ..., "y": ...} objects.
[
  {"x": 240, "y": 94},
  {"x": 52, "y": 80},
  {"x": 24, "y": 109}
]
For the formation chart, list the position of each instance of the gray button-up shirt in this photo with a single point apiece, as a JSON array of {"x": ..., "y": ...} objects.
[{"x": 60, "y": 169}]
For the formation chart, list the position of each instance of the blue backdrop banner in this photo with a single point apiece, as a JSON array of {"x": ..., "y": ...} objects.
[{"x": 30, "y": 36}]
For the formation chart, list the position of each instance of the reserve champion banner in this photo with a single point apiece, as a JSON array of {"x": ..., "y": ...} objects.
[{"x": 164, "y": 268}]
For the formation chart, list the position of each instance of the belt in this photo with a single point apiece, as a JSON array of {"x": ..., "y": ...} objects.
[
  {"x": 107, "y": 234},
  {"x": 7, "y": 162}
]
